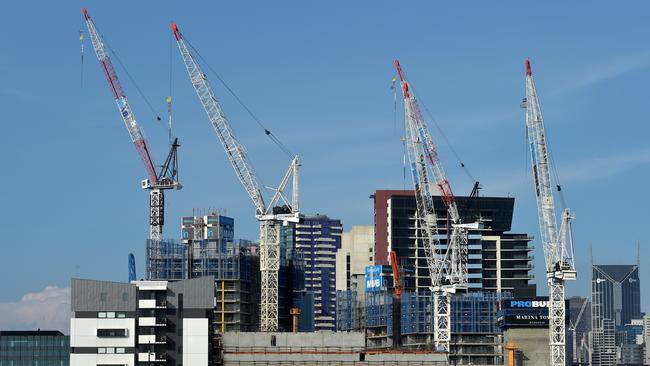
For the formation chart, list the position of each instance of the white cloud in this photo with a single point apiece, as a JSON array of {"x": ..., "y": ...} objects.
[
  {"x": 578, "y": 171},
  {"x": 47, "y": 310},
  {"x": 610, "y": 69},
  {"x": 606, "y": 166}
]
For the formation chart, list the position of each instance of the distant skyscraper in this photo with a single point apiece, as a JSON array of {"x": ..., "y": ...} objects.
[
  {"x": 579, "y": 327},
  {"x": 616, "y": 301},
  {"x": 318, "y": 238},
  {"x": 498, "y": 261},
  {"x": 616, "y": 293}
]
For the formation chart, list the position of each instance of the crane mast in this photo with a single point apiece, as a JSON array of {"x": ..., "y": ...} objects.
[
  {"x": 557, "y": 244},
  {"x": 156, "y": 183},
  {"x": 447, "y": 268},
  {"x": 280, "y": 210}
]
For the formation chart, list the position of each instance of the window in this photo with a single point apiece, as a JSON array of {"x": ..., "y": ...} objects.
[
  {"x": 110, "y": 350},
  {"x": 110, "y": 314},
  {"x": 109, "y": 333},
  {"x": 101, "y": 350},
  {"x": 119, "y": 350},
  {"x": 370, "y": 250},
  {"x": 101, "y": 314},
  {"x": 121, "y": 315}
]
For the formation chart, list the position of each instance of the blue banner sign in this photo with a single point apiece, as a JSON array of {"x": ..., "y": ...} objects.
[{"x": 374, "y": 280}]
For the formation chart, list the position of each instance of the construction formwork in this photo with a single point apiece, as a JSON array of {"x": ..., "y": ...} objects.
[
  {"x": 165, "y": 260},
  {"x": 417, "y": 320},
  {"x": 476, "y": 339},
  {"x": 235, "y": 268},
  {"x": 476, "y": 312},
  {"x": 349, "y": 311},
  {"x": 379, "y": 319}
]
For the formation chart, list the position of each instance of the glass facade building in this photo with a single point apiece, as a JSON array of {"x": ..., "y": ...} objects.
[
  {"x": 615, "y": 303},
  {"x": 497, "y": 261},
  {"x": 34, "y": 348}
]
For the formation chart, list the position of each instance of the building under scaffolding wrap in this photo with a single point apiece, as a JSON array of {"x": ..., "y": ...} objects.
[
  {"x": 208, "y": 249},
  {"x": 476, "y": 338}
]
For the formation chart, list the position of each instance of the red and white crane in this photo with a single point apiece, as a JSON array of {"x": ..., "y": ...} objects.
[
  {"x": 447, "y": 267},
  {"x": 156, "y": 183},
  {"x": 279, "y": 211},
  {"x": 557, "y": 244}
]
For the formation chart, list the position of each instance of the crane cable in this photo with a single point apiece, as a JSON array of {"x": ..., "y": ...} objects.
[
  {"x": 556, "y": 176},
  {"x": 268, "y": 132},
  {"x": 403, "y": 137},
  {"x": 128, "y": 74},
  {"x": 444, "y": 137},
  {"x": 81, "y": 41}
]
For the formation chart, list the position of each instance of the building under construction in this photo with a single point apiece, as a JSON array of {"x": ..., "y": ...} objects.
[
  {"x": 408, "y": 325},
  {"x": 208, "y": 248}
]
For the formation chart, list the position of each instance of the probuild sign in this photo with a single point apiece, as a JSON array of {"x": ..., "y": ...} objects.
[{"x": 523, "y": 313}]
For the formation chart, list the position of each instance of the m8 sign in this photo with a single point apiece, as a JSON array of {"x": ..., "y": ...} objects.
[{"x": 374, "y": 280}]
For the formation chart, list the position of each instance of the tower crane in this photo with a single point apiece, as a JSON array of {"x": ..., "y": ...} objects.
[
  {"x": 447, "y": 268},
  {"x": 156, "y": 183},
  {"x": 557, "y": 244},
  {"x": 279, "y": 211}
]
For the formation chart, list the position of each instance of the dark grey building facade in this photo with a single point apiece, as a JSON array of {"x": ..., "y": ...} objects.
[{"x": 498, "y": 261}]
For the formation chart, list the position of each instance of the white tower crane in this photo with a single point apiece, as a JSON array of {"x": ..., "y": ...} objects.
[
  {"x": 557, "y": 245},
  {"x": 447, "y": 268},
  {"x": 271, "y": 216}
]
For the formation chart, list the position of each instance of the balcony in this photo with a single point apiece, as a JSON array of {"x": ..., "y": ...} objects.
[
  {"x": 152, "y": 357},
  {"x": 151, "y": 304},
  {"x": 151, "y": 322},
  {"x": 151, "y": 339}
]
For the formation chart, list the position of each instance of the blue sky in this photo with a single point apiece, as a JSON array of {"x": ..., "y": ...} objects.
[{"x": 318, "y": 74}]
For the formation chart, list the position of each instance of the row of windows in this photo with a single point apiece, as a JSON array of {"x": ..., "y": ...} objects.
[
  {"x": 103, "y": 350},
  {"x": 33, "y": 342},
  {"x": 110, "y": 314}
]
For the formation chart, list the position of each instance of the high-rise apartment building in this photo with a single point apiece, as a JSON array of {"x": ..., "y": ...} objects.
[
  {"x": 318, "y": 238},
  {"x": 498, "y": 261},
  {"x": 143, "y": 322},
  {"x": 356, "y": 253},
  {"x": 615, "y": 301},
  {"x": 34, "y": 347}
]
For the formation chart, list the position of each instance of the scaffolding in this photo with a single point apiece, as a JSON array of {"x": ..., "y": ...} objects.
[
  {"x": 379, "y": 319},
  {"x": 165, "y": 260},
  {"x": 234, "y": 266},
  {"x": 348, "y": 311}
]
